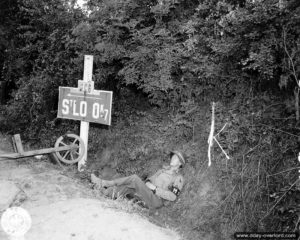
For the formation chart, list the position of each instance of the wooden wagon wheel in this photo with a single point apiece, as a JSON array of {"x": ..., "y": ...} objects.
[{"x": 73, "y": 155}]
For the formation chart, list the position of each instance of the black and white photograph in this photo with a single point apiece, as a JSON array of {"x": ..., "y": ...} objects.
[{"x": 149, "y": 120}]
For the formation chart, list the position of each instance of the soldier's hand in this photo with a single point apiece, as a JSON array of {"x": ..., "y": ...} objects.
[{"x": 150, "y": 185}]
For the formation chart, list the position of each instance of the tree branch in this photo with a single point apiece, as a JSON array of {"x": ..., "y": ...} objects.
[{"x": 290, "y": 58}]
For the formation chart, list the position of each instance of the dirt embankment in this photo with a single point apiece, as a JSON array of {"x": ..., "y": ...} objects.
[{"x": 63, "y": 208}]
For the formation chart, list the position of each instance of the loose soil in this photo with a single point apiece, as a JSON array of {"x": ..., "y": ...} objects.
[{"x": 65, "y": 207}]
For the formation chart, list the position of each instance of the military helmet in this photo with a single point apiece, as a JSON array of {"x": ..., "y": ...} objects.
[{"x": 180, "y": 156}]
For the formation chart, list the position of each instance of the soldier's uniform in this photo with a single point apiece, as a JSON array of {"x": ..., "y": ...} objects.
[{"x": 168, "y": 186}]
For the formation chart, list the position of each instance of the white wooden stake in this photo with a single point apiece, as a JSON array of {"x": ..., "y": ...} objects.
[
  {"x": 84, "y": 126},
  {"x": 211, "y": 134},
  {"x": 212, "y": 137}
]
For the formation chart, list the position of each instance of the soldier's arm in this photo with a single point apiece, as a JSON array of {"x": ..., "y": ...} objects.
[
  {"x": 179, "y": 182},
  {"x": 165, "y": 194},
  {"x": 174, "y": 191}
]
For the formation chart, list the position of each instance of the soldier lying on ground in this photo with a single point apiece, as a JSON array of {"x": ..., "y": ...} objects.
[{"x": 165, "y": 184}]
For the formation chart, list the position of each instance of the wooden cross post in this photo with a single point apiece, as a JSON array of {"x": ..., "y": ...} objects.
[
  {"x": 85, "y": 104},
  {"x": 84, "y": 126}
]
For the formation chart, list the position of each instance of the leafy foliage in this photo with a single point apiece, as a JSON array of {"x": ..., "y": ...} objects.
[
  {"x": 46, "y": 58},
  {"x": 171, "y": 51},
  {"x": 167, "y": 58}
]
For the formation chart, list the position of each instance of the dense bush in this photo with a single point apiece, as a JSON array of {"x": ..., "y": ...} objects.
[
  {"x": 171, "y": 51},
  {"x": 165, "y": 61}
]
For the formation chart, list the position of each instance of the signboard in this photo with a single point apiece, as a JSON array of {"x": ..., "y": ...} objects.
[{"x": 85, "y": 104}]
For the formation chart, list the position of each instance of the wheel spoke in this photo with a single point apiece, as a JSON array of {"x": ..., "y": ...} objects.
[
  {"x": 75, "y": 140},
  {"x": 72, "y": 156},
  {"x": 63, "y": 143},
  {"x": 66, "y": 154}
]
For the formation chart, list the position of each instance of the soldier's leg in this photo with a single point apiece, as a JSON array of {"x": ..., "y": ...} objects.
[
  {"x": 134, "y": 182},
  {"x": 115, "y": 192},
  {"x": 141, "y": 190}
]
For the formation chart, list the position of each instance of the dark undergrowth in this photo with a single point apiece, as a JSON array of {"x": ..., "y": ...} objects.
[{"x": 256, "y": 189}]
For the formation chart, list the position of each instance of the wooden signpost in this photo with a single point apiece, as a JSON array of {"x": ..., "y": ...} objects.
[{"x": 85, "y": 104}]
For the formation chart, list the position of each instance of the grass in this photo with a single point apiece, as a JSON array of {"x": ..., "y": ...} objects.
[{"x": 230, "y": 196}]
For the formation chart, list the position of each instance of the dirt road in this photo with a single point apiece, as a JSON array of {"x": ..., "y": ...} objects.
[{"x": 62, "y": 208}]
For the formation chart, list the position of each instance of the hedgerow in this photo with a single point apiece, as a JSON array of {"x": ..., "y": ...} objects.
[{"x": 166, "y": 61}]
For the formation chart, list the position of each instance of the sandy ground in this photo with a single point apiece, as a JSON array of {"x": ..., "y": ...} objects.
[{"x": 62, "y": 208}]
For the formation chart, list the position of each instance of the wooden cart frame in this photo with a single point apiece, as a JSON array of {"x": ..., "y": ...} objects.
[{"x": 68, "y": 148}]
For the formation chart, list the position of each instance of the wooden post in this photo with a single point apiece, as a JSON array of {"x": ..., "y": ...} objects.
[
  {"x": 18, "y": 143},
  {"x": 84, "y": 126}
]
